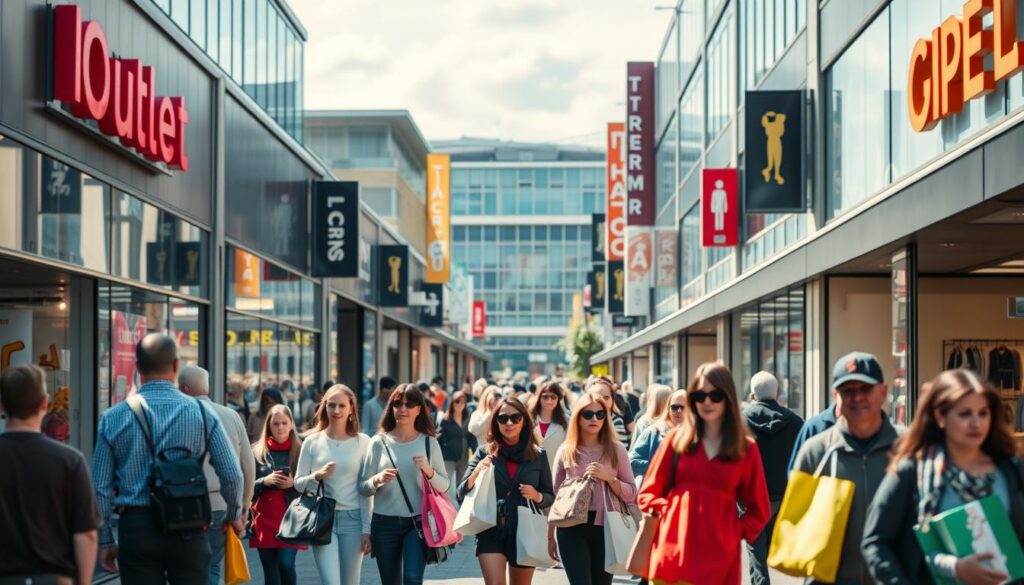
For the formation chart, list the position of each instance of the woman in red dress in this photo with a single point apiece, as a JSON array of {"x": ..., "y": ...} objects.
[{"x": 718, "y": 466}]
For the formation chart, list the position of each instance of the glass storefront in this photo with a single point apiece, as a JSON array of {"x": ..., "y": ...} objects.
[{"x": 771, "y": 338}]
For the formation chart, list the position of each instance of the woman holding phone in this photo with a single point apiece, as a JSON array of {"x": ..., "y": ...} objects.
[
  {"x": 521, "y": 474},
  {"x": 277, "y": 453},
  {"x": 398, "y": 456}
]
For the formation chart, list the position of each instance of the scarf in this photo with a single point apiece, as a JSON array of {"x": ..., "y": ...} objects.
[
  {"x": 934, "y": 474},
  {"x": 514, "y": 453},
  {"x": 275, "y": 446}
]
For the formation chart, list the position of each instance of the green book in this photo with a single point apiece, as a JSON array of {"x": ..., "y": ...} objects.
[{"x": 981, "y": 526}]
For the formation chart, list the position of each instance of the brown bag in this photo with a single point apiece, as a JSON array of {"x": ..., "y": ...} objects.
[
  {"x": 639, "y": 562},
  {"x": 572, "y": 503}
]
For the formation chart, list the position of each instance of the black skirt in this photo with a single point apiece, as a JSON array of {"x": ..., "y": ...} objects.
[{"x": 500, "y": 540}]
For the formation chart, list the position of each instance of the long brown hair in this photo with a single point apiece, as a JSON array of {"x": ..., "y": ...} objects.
[
  {"x": 450, "y": 413},
  {"x": 940, "y": 396},
  {"x": 525, "y": 432},
  {"x": 260, "y": 449},
  {"x": 734, "y": 432},
  {"x": 323, "y": 420},
  {"x": 558, "y": 414},
  {"x": 409, "y": 393},
  {"x": 606, "y": 436}
]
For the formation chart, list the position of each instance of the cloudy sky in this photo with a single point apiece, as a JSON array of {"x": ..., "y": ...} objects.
[{"x": 533, "y": 70}]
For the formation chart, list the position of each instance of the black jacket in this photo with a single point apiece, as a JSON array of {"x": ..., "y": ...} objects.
[
  {"x": 890, "y": 548},
  {"x": 279, "y": 460},
  {"x": 450, "y": 437},
  {"x": 775, "y": 428},
  {"x": 536, "y": 473}
]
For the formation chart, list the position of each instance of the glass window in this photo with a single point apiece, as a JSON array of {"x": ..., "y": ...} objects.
[
  {"x": 262, "y": 44},
  {"x": 666, "y": 173},
  {"x": 691, "y": 252},
  {"x": 179, "y": 13},
  {"x": 250, "y": 41},
  {"x": 273, "y": 57},
  {"x": 198, "y": 19},
  {"x": 691, "y": 132},
  {"x": 668, "y": 73},
  {"x": 721, "y": 76},
  {"x": 691, "y": 36}
]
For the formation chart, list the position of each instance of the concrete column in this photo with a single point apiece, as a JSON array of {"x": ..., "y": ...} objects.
[
  {"x": 217, "y": 361},
  {"x": 816, "y": 369}
]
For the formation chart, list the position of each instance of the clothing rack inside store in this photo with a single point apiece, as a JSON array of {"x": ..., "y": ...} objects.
[{"x": 981, "y": 356}]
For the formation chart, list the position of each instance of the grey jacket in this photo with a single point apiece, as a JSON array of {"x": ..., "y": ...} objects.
[{"x": 866, "y": 471}]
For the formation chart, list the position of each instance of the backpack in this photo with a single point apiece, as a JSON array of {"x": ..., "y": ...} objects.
[{"x": 177, "y": 489}]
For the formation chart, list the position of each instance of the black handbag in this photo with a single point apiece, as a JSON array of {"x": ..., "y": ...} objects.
[
  {"x": 433, "y": 555},
  {"x": 309, "y": 519}
]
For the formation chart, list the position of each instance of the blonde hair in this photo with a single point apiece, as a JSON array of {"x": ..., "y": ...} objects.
[
  {"x": 657, "y": 400},
  {"x": 664, "y": 421},
  {"x": 489, "y": 391},
  {"x": 606, "y": 436},
  {"x": 260, "y": 449},
  {"x": 323, "y": 420}
]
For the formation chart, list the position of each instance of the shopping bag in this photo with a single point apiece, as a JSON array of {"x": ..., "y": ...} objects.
[
  {"x": 438, "y": 517},
  {"x": 811, "y": 525},
  {"x": 572, "y": 503},
  {"x": 620, "y": 530},
  {"x": 309, "y": 519},
  {"x": 479, "y": 510},
  {"x": 532, "y": 538},
  {"x": 236, "y": 568}
]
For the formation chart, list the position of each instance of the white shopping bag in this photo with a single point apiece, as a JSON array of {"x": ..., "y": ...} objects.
[
  {"x": 620, "y": 530},
  {"x": 532, "y": 538},
  {"x": 479, "y": 510}
]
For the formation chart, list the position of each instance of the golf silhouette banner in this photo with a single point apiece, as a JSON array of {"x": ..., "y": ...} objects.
[
  {"x": 393, "y": 276},
  {"x": 774, "y": 176}
]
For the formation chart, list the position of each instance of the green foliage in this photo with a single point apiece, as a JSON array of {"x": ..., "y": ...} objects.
[{"x": 582, "y": 342}]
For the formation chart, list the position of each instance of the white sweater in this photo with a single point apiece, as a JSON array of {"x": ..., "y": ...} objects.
[{"x": 319, "y": 450}]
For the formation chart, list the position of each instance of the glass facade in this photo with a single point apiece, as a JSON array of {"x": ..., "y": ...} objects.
[
  {"x": 528, "y": 191},
  {"x": 366, "y": 147},
  {"x": 721, "y": 76},
  {"x": 770, "y": 27},
  {"x": 771, "y": 338},
  {"x": 254, "y": 32}
]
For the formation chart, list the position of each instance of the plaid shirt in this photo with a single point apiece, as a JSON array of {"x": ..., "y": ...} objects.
[{"x": 122, "y": 461}]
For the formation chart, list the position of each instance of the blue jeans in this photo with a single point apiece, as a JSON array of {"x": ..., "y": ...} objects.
[
  {"x": 341, "y": 562},
  {"x": 216, "y": 536},
  {"x": 757, "y": 551},
  {"x": 278, "y": 566},
  {"x": 398, "y": 550}
]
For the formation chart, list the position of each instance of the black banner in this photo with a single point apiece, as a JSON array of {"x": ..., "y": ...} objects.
[
  {"x": 335, "y": 237},
  {"x": 597, "y": 237},
  {"x": 432, "y": 315},
  {"x": 393, "y": 276},
  {"x": 615, "y": 287},
  {"x": 597, "y": 279},
  {"x": 624, "y": 321},
  {"x": 160, "y": 263},
  {"x": 188, "y": 263},
  {"x": 61, "y": 188},
  {"x": 774, "y": 177}
]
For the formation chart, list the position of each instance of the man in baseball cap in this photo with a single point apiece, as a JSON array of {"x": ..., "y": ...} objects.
[{"x": 860, "y": 442}]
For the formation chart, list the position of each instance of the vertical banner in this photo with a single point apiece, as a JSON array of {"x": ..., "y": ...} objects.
[
  {"x": 596, "y": 284},
  {"x": 665, "y": 260},
  {"x": 615, "y": 182},
  {"x": 393, "y": 283},
  {"x": 335, "y": 237},
  {"x": 438, "y": 218},
  {"x": 61, "y": 188},
  {"x": 247, "y": 275},
  {"x": 615, "y": 290},
  {"x": 432, "y": 314},
  {"x": 597, "y": 237},
  {"x": 479, "y": 319},
  {"x": 640, "y": 187},
  {"x": 187, "y": 262},
  {"x": 719, "y": 208},
  {"x": 773, "y": 181}
]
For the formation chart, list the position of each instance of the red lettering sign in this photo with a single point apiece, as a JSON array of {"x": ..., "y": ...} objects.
[
  {"x": 118, "y": 93},
  {"x": 479, "y": 318},
  {"x": 615, "y": 183},
  {"x": 719, "y": 208}
]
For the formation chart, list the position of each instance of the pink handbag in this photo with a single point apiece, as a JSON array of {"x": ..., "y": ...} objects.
[{"x": 438, "y": 517}]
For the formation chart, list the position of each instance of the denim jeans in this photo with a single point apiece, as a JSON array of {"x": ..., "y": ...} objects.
[
  {"x": 398, "y": 550},
  {"x": 278, "y": 566},
  {"x": 340, "y": 562},
  {"x": 757, "y": 551},
  {"x": 216, "y": 536}
]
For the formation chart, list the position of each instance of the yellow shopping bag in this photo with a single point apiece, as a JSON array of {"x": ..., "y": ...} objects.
[
  {"x": 236, "y": 568},
  {"x": 811, "y": 525}
]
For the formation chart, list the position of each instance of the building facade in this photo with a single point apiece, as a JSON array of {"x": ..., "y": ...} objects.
[
  {"x": 911, "y": 243},
  {"x": 521, "y": 216}
]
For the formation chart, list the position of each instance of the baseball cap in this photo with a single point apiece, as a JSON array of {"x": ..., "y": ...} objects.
[{"x": 856, "y": 366}]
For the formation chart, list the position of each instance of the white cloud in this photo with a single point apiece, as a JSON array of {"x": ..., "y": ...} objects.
[{"x": 533, "y": 70}]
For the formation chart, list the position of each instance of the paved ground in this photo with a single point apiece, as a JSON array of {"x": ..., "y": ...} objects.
[{"x": 460, "y": 570}]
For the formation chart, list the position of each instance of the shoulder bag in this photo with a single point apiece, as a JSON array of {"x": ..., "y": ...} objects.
[
  {"x": 639, "y": 562},
  {"x": 572, "y": 503},
  {"x": 309, "y": 519},
  {"x": 434, "y": 555}
]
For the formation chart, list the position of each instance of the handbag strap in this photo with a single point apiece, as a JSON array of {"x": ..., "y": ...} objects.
[
  {"x": 398, "y": 476},
  {"x": 831, "y": 455}
]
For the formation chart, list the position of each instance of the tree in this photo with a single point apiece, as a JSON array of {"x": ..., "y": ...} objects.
[{"x": 581, "y": 343}]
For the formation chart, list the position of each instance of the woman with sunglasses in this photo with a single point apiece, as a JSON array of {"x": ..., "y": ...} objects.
[
  {"x": 591, "y": 450},
  {"x": 717, "y": 467},
  {"x": 958, "y": 449},
  {"x": 604, "y": 388},
  {"x": 403, "y": 451},
  {"x": 552, "y": 424},
  {"x": 646, "y": 445},
  {"x": 521, "y": 474},
  {"x": 455, "y": 439}
]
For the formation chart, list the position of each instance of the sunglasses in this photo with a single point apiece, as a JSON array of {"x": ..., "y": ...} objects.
[
  {"x": 408, "y": 404},
  {"x": 548, "y": 397},
  {"x": 504, "y": 419},
  {"x": 678, "y": 407},
  {"x": 715, "y": 395},
  {"x": 593, "y": 414}
]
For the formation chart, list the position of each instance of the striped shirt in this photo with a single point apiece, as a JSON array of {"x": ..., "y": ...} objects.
[{"x": 122, "y": 461}]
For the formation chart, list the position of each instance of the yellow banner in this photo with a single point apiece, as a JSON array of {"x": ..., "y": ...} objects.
[
  {"x": 247, "y": 275},
  {"x": 438, "y": 218}
]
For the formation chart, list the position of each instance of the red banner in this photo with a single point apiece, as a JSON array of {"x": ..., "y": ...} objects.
[
  {"x": 126, "y": 331},
  {"x": 719, "y": 208},
  {"x": 479, "y": 318},
  {"x": 615, "y": 181},
  {"x": 640, "y": 163}
]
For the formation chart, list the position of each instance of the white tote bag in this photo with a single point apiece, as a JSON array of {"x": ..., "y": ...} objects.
[
  {"x": 620, "y": 530},
  {"x": 479, "y": 510},
  {"x": 532, "y": 538}
]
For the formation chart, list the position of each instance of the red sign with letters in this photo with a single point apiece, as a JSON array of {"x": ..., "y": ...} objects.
[
  {"x": 719, "y": 208},
  {"x": 479, "y": 318},
  {"x": 118, "y": 93}
]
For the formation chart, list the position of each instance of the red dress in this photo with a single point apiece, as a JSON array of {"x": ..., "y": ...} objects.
[{"x": 699, "y": 536}]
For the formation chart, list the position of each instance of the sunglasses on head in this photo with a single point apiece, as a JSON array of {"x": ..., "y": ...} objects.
[
  {"x": 593, "y": 414},
  {"x": 715, "y": 395},
  {"x": 677, "y": 407},
  {"x": 407, "y": 404},
  {"x": 504, "y": 419}
]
